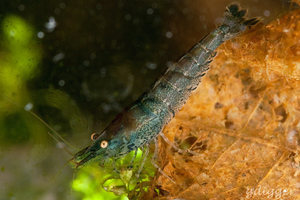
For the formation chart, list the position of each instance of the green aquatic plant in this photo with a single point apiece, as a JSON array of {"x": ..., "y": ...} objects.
[
  {"x": 119, "y": 183},
  {"x": 20, "y": 55}
]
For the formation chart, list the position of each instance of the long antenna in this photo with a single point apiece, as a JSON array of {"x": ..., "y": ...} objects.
[{"x": 55, "y": 133}]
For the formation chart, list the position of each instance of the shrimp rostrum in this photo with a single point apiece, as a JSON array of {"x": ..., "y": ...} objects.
[{"x": 145, "y": 119}]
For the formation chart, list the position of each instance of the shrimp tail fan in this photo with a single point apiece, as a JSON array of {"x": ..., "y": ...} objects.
[{"x": 236, "y": 21}]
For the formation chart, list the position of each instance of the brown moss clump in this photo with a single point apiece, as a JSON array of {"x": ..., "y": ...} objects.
[{"x": 243, "y": 122}]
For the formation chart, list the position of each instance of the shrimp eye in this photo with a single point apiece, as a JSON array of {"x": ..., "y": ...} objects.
[
  {"x": 94, "y": 136},
  {"x": 103, "y": 144}
]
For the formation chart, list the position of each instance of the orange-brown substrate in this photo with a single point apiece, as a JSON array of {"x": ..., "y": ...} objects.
[{"x": 243, "y": 122}]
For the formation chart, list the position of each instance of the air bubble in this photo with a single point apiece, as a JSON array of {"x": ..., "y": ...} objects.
[
  {"x": 40, "y": 34},
  {"x": 60, "y": 145},
  {"x": 28, "y": 106},
  {"x": 150, "y": 65},
  {"x": 169, "y": 34},
  {"x": 58, "y": 57},
  {"x": 150, "y": 11},
  {"x": 51, "y": 24},
  {"x": 61, "y": 83},
  {"x": 267, "y": 13}
]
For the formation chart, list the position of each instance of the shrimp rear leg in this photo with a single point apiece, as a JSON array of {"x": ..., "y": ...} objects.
[
  {"x": 178, "y": 149},
  {"x": 153, "y": 161}
]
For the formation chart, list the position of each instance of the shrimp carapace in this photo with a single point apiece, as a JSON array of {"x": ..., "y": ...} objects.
[{"x": 142, "y": 123}]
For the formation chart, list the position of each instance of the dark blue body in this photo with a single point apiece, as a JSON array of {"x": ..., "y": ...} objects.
[{"x": 142, "y": 122}]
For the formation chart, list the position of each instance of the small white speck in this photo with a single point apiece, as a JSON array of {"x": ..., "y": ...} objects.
[
  {"x": 235, "y": 45},
  {"x": 51, "y": 24},
  {"x": 58, "y": 57},
  {"x": 60, "y": 145},
  {"x": 234, "y": 151},
  {"x": 150, "y": 11},
  {"x": 150, "y": 65},
  {"x": 28, "y": 106},
  {"x": 267, "y": 13},
  {"x": 291, "y": 136},
  {"x": 286, "y": 30},
  {"x": 61, "y": 83},
  {"x": 40, "y": 34},
  {"x": 12, "y": 33},
  {"x": 169, "y": 34}
]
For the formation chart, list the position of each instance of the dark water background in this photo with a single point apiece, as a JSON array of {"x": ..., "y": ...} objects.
[{"x": 92, "y": 59}]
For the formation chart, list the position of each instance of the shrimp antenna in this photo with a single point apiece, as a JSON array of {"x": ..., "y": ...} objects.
[{"x": 55, "y": 135}]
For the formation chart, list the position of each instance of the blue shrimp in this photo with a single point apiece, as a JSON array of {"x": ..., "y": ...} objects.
[{"x": 144, "y": 120}]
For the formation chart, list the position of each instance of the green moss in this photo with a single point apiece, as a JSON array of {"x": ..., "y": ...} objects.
[
  {"x": 105, "y": 183},
  {"x": 20, "y": 56},
  {"x": 89, "y": 183},
  {"x": 16, "y": 30},
  {"x": 21, "y": 59}
]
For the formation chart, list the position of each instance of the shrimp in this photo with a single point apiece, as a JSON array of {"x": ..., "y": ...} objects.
[{"x": 141, "y": 123}]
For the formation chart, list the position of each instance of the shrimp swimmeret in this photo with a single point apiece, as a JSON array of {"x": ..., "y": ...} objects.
[{"x": 143, "y": 122}]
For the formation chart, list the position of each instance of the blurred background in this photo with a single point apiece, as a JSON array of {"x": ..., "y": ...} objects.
[{"x": 76, "y": 65}]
